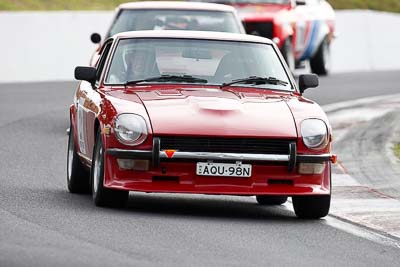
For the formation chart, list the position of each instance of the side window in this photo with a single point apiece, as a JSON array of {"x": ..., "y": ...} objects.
[{"x": 102, "y": 61}]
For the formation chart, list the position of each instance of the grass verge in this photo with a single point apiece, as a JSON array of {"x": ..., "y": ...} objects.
[
  {"x": 51, "y": 5},
  {"x": 19, "y": 5},
  {"x": 382, "y": 5},
  {"x": 396, "y": 150}
]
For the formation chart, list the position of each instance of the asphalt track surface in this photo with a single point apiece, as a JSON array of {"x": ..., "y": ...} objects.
[
  {"x": 41, "y": 224},
  {"x": 364, "y": 152}
]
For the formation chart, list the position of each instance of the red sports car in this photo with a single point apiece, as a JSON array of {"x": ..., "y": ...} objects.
[
  {"x": 302, "y": 29},
  {"x": 202, "y": 113}
]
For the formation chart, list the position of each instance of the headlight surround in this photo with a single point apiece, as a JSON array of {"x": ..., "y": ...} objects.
[
  {"x": 130, "y": 129},
  {"x": 314, "y": 133}
]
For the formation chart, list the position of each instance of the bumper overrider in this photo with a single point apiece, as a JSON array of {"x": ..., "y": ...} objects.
[{"x": 156, "y": 155}]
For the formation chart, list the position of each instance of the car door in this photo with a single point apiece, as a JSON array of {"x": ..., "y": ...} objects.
[
  {"x": 306, "y": 29},
  {"x": 88, "y": 107}
]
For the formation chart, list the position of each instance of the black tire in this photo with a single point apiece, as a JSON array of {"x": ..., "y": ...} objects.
[
  {"x": 311, "y": 207},
  {"x": 321, "y": 62},
  {"x": 102, "y": 196},
  {"x": 288, "y": 55},
  {"x": 78, "y": 180},
  {"x": 271, "y": 200}
]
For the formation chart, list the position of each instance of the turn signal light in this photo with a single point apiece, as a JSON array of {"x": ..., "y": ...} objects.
[
  {"x": 334, "y": 159},
  {"x": 107, "y": 130},
  {"x": 130, "y": 164},
  {"x": 311, "y": 168}
]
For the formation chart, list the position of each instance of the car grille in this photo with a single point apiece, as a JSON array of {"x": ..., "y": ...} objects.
[
  {"x": 264, "y": 29},
  {"x": 226, "y": 145}
]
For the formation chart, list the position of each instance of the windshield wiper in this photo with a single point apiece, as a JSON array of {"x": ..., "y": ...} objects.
[
  {"x": 256, "y": 80},
  {"x": 168, "y": 78}
]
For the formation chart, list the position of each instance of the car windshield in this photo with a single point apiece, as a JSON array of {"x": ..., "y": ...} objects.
[
  {"x": 280, "y": 2},
  {"x": 165, "y": 19},
  {"x": 211, "y": 62}
]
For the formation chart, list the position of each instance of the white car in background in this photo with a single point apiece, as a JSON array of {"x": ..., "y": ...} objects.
[{"x": 169, "y": 15}]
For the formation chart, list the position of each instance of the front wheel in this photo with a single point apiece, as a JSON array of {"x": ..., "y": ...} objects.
[
  {"x": 77, "y": 175},
  {"x": 271, "y": 200},
  {"x": 102, "y": 196},
  {"x": 321, "y": 62},
  {"x": 311, "y": 207}
]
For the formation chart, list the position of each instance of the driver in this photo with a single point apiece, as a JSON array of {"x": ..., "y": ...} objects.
[
  {"x": 176, "y": 23},
  {"x": 139, "y": 63},
  {"x": 133, "y": 63}
]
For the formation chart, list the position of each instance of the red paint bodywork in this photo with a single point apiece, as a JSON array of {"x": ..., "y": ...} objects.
[{"x": 193, "y": 110}]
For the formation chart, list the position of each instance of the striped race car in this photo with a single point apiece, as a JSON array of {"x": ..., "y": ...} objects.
[{"x": 302, "y": 29}]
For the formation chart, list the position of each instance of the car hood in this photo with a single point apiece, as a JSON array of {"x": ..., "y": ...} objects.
[
  {"x": 214, "y": 112},
  {"x": 250, "y": 12}
]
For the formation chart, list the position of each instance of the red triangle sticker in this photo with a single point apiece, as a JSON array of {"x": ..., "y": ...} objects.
[{"x": 170, "y": 153}]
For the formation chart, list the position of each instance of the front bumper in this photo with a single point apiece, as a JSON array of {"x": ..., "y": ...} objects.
[
  {"x": 156, "y": 155},
  {"x": 175, "y": 171}
]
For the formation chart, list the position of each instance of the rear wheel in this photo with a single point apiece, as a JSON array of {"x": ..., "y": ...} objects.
[
  {"x": 271, "y": 200},
  {"x": 311, "y": 207},
  {"x": 321, "y": 62},
  {"x": 103, "y": 196},
  {"x": 77, "y": 175}
]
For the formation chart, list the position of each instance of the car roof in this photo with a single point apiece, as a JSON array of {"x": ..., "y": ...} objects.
[
  {"x": 176, "y": 5},
  {"x": 204, "y": 35}
]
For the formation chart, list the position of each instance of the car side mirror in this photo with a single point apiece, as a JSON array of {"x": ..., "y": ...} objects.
[
  {"x": 300, "y": 2},
  {"x": 308, "y": 81},
  {"x": 86, "y": 74},
  {"x": 95, "y": 38}
]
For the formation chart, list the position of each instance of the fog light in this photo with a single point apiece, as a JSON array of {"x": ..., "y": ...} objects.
[
  {"x": 130, "y": 164},
  {"x": 276, "y": 40},
  {"x": 311, "y": 168}
]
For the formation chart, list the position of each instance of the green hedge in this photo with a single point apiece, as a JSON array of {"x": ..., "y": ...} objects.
[
  {"x": 385, "y": 5},
  {"x": 18, "y": 5}
]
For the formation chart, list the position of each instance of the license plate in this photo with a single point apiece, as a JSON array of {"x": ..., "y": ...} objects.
[{"x": 223, "y": 169}]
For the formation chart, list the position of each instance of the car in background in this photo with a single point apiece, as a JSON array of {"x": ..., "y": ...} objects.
[
  {"x": 169, "y": 15},
  {"x": 303, "y": 29},
  {"x": 200, "y": 113}
]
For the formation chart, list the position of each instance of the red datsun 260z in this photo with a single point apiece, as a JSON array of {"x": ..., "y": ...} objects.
[{"x": 200, "y": 113}]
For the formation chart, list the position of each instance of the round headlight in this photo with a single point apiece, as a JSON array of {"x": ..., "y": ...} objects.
[
  {"x": 130, "y": 129},
  {"x": 314, "y": 133}
]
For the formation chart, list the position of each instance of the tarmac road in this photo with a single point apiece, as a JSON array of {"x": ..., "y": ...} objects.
[
  {"x": 350, "y": 86},
  {"x": 41, "y": 224}
]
